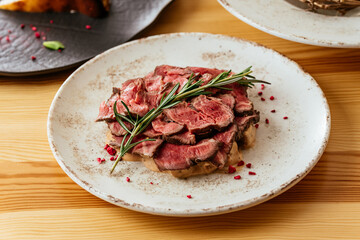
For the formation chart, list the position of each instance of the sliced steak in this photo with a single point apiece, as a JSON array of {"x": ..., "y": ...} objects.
[
  {"x": 178, "y": 157},
  {"x": 213, "y": 72},
  {"x": 196, "y": 122},
  {"x": 206, "y": 75},
  {"x": 105, "y": 112},
  {"x": 221, "y": 114},
  {"x": 173, "y": 74},
  {"x": 115, "y": 141},
  {"x": 147, "y": 148},
  {"x": 242, "y": 103},
  {"x": 181, "y": 138},
  {"x": 220, "y": 159},
  {"x": 202, "y": 128},
  {"x": 106, "y": 107},
  {"x": 166, "y": 127},
  {"x": 153, "y": 99},
  {"x": 133, "y": 94},
  {"x": 227, "y": 99},
  {"x": 226, "y": 138},
  {"x": 167, "y": 70},
  {"x": 150, "y": 132},
  {"x": 153, "y": 82},
  {"x": 117, "y": 129},
  {"x": 243, "y": 123}
]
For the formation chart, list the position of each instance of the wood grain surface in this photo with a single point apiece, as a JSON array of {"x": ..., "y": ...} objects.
[{"x": 39, "y": 201}]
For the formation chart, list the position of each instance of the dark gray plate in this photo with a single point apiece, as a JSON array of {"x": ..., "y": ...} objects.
[{"x": 125, "y": 19}]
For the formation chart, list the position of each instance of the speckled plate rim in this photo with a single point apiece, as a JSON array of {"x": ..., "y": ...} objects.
[
  {"x": 300, "y": 39},
  {"x": 188, "y": 212}
]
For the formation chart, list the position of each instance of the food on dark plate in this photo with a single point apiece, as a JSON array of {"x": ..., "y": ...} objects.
[
  {"x": 341, "y": 6},
  {"x": 92, "y": 8},
  {"x": 200, "y": 134}
]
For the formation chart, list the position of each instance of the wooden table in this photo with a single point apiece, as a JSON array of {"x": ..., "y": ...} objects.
[{"x": 39, "y": 201}]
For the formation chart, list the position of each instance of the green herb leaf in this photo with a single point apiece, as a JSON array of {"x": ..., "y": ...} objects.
[
  {"x": 172, "y": 104},
  {"x": 144, "y": 140},
  {"x": 53, "y": 45},
  {"x": 128, "y": 111},
  {"x": 118, "y": 118},
  {"x": 224, "y": 88}
]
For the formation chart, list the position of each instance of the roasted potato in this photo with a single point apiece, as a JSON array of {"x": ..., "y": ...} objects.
[{"x": 92, "y": 8}]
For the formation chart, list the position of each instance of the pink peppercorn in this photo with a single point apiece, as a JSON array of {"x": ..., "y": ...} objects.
[
  {"x": 34, "y": 29},
  {"x": 127, "y": 179},
  {"x": 252, "y": 173},
  {"x": 111, "y": 151},
  {"x": 44, "y": 38},
  {"x": 60, "y": 50},
  {"x": 112, "y": 159},
  {"x": 7, "y": 38},
  {"x": 88, "y": 27},
  {"x": 256, "y": 125},
  {"x": 285, "y": 117},
  {"x": 106, "y": 146},
  {"x": 262, "y": 99},
  {"x": 37, "y": 34},
  {"x": 260, "y": 93},
  {"x": 248, "y": 165},
  {"x": 262, "y": 86},
  {"x": 231, "y": 169},
  {"x": 151, "y": 183},
  {"x": 241, "y": 163},
  {"x": 273, "y": 111},
  {"x": 189, "y": 196},
  {"x": 22, "y": 26},
  {"x": 33, "y": 58},
  {"x": 100, "y": 160},
  {"x": 51, "y": 21},
  {"x": 272, "y": 98},
  {"x": 237, "y": 177},
  {"x": 267, "y": 121}
]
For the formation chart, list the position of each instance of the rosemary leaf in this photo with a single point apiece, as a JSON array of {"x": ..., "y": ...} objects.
[
  {"x": 118, "y": 119},
  {"x": 136, "y": 143},
  {"x": 122, "y": 142},
  {"x": 147, "y": 114},
  {"x": 128, "y": 111},
  {"x": 172, "y": 104},
  {"x": 120, "y": 115},
  {"x": 162, "y": 98},
  {"x": 224, "y": 88},
  {"x": 122, "y": 124},
  {"x": 170, "y": 95}
]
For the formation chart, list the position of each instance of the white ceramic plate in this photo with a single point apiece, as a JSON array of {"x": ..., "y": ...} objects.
[
  {"x": 284, "y": 153},
  {"x": 289, "y": 20}
]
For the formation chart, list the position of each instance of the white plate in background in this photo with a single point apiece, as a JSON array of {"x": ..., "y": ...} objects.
[{"x": 289, "y": 19}]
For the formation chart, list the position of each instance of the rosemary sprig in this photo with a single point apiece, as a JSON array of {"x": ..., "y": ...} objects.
[{"x": 190, "y": 89}]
